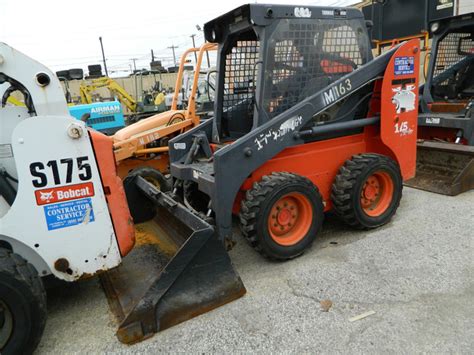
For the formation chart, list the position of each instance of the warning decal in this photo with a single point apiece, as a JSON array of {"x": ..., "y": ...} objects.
[
  {"x": 68, "y": 214},
  {"x": 404, "y": 65},
  {"x": 64, "y": 193}
]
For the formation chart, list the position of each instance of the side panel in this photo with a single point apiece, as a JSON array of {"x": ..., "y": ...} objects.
[
  {"x": 318, "y": 161},
  {"x": 399, "y": 106},
  {"x": 60, "y": 210},
  {"x": 114, "y": 192}
]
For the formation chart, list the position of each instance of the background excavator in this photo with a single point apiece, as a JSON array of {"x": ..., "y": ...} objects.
[{"x": 305, "y": 121}]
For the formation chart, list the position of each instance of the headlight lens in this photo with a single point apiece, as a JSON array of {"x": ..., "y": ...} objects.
[{"x": 434, "y": 27}]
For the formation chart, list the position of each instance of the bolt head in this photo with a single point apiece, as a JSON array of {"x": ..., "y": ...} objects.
[{"x": 75, "y": 131}]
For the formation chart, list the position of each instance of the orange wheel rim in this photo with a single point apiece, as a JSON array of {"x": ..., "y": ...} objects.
[
  {"x": 376, "y": 194},
  {"x": 290, "y": 219}
]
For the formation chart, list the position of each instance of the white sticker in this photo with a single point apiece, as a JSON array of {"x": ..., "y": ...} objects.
[
  {"x": 404, "y": 99},
  {"x": 444, "y": 4},
  {"x": 302, "y": 12},
  {"x": 196, "y": 174},
  {"x": 403, "y": 129},
  {"x": 286, "y": 127},
  {"x": 6, "y": 151},
  {"x": 433, "y": 120},
  {"x": 179, "y": 146}
]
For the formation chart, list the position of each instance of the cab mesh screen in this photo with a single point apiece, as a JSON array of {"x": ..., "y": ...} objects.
[
  {"x": 308, "y": 55},
  {"x": 239, "y": 78},
  {"x": 453, "y": 69},
  {"x": 451, "y": 50}
]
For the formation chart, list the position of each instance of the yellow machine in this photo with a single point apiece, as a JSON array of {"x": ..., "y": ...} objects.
[
  {"x": 145, "y": 143},
  {"x": 14, "y": 101},
  {"x": 122, "y": 95}
]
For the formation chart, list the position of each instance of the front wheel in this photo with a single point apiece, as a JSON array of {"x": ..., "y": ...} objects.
[
  {"x": 22, "y": 305},
  {"x": 282, "y": 215},
  {"x": 367, "y": 191}
]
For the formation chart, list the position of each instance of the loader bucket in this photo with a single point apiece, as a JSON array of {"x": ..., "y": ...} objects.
[
  {"x": 444, "y": 168},
  {"x": 176, "y": 271}
]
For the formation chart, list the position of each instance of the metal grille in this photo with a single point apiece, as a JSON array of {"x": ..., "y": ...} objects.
[
  {"x": 308, "y": 56},
  {"x": 239, "y": 79},
  {"x": 451, "y": 51},
  {"x": 102, "y": 119}
]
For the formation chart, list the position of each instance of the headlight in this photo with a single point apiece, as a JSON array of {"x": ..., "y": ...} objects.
[{"x": 434, "y": 27}]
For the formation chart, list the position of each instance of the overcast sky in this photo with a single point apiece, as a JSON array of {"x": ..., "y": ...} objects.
[{"x": 65, "y": 34}]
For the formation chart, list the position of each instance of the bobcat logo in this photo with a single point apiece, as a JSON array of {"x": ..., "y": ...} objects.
[{"x": 47, "y": 196}]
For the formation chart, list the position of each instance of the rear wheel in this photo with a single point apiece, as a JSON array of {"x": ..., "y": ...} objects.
[
  {"x": 22, "y": 305},
  {"x": 141, "y": 208},
  {"x": 282, "y": 215},
  {"x": 367, "y": 191},
  {"x": 153, "y": 176}
]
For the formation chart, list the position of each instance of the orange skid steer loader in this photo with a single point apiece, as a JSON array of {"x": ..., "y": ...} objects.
[{"x": 305, "y": 121}]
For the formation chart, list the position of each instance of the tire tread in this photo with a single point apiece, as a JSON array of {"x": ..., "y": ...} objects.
[
  {"x": 19, "y": 269},
  {"x": 344, "y": 183},
  {"x": 252, "y": 204}
]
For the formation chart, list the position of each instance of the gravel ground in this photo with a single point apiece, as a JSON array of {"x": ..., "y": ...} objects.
[{"x": 416, "y": 274}]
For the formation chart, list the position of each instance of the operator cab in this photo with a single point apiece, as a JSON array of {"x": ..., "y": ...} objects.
[
  {"x": 273, "y": 57},
  {"x": 450, "y": 81}
]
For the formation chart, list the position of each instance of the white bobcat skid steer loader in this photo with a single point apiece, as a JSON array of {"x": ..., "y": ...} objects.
[{"x": 62, "y": 210}]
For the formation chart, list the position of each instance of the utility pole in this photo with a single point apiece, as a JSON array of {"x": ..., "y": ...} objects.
[
  {"x": 173, "y": 47},
  {"x": 134, "y": 63},
  {"x": 207, "y": 52},
  {"x": 103, "y": 56},
  {"x": 194, "y": 46},
  {"x": 152, "y": 56}
]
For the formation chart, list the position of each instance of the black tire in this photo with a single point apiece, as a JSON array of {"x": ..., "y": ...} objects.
[
  {"x": 348, "y": 185},
  {"x": 153, "y": 176},
  {"x": 256, "y": 208},
  {"x": 23, "y": 300},
  {"x": 140, "y": 207}
]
